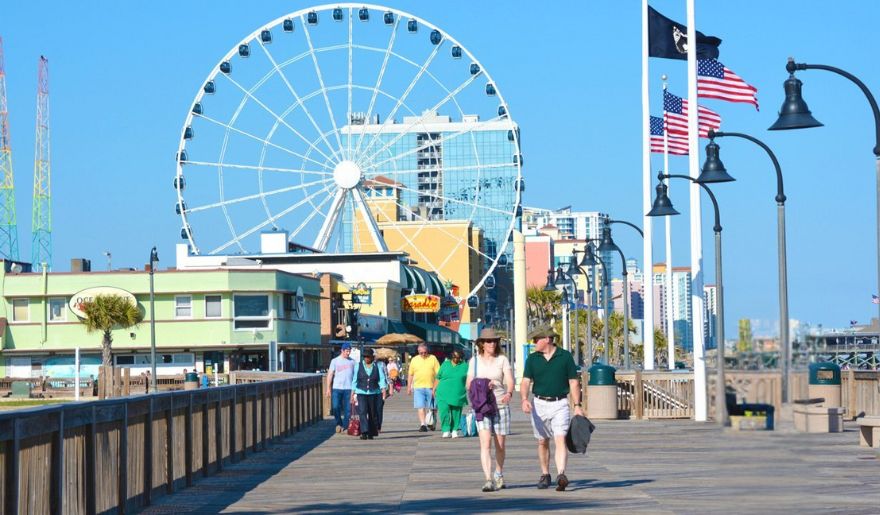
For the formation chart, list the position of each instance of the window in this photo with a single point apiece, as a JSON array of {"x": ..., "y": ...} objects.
[
  {"x": 212, "y": 306},
  {"x": 57, "y": 313},
  {"x": 183, "y": 306},
  {"x": 20, "y": 310},
  {"x": 251, "y": 312}
]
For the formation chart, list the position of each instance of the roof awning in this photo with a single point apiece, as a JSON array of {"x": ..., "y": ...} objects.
[
  {"x": 395, "y": 326},
  {"x": 433, "y": 333},
  {"x": 421, "y": 281}
]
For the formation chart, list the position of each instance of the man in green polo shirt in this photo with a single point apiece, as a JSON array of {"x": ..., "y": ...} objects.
[{"x": 551, "y": 375}]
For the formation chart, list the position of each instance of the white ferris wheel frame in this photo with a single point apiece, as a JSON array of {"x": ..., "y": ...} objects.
[{"x": 357, "y": 194}]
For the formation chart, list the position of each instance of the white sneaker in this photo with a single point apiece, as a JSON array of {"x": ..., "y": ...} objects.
[
  {"x": 456, "y": 434},
  {"x": 446, "y": 434}
]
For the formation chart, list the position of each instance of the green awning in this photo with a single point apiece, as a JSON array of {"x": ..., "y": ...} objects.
[
  {"x": 433, "y": 333},
  {"x": 395, "y": 326}
]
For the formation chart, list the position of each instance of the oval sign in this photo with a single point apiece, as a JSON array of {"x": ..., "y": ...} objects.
[{"x": 89, "y": 294}]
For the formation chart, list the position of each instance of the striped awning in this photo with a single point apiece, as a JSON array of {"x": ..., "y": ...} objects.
[{"x": 422, "y": 281}]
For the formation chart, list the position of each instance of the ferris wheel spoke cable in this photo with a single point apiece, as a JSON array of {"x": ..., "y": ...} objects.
[
  {"x": 421, "y": 119},
  {"x": 262, "y": 194},
  {"x": 455, "y": 201},
  {"x": 323, "y": 237},
  {"x": 257, "y": 138},
  {"x": 321, "y": 82},
  {"x": 372, "y": 228},
  {"x": 350, "y": 59},
  {"x": 307, "y": 219},
  {"x": 440, "y": 168},
  {"x": 275, "y": 115},
  {"x": 379, "y": 80},
  {"x": 296, "y": 97},
  {"x": 406, "y": 93},
  {"x": 439, "y": 141},
  {"x": 256, "y": 167},
  {"x": 412, "y": 246},
  {"x": 271, "y": 220}
]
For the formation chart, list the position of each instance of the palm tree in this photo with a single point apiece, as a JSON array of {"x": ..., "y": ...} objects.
[
  {"x": 105, "y": 313},
  {"x": 542, "y": 305},
  {"x": 615, "y": 333}
]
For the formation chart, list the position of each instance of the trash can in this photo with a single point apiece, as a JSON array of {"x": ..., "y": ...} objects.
[
  {"x": 825, "y": 383},
  {"x": 602, "y": 393},
  {"x": 191, "y": 381}
]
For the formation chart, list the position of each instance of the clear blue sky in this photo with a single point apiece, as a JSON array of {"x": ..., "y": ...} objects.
[{"x": 123, "y": 77}]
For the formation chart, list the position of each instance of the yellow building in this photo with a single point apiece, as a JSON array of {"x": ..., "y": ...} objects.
[{"x": 434, "y": 245}]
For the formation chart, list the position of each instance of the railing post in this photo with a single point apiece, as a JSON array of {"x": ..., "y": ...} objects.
[
  {"x": 148, "y": 454},
  {"x": 188, "y": 450},
  {"x": 122, "y": 499},
  {"x": 218, "y": 424},
  {"x": 206, "y": 440},
  {"x": 638, "y": 395},
  {"x": 232, "y": 423},
  {"x": 13, "y": 447},
  {"x": 169, "y": 447},
  {"x": 851, "y": 404},
  {"x": 58, "y": 467},
  {"x": 264, "y": 430},
  {"x": 91, "y": 468},
  {"x": 256, "y": 392}
]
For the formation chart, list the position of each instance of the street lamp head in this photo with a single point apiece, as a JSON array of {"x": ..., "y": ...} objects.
[
  {"x": 607, "y": 244},
  {"x": 561, "y": 280},
  {"x": 794, "y": 113},
  {"x": 662, "y": 205},
  {"x": 589, "y": 258},
  {"x": 551, "y": 282},
  {"x": 154, "y": 256},
  {"x": 713, "y": 169}
]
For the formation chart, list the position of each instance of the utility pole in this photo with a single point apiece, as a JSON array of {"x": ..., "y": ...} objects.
[
  {"x": 8, "y": 225},
  {"x": 41, "y": 246}
]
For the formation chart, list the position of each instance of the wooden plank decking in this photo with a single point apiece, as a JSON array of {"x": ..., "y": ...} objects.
[{"x": 632, "y": 466}]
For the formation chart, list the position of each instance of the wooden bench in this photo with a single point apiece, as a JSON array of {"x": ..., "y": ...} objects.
[{"x": 869, "y": 431}]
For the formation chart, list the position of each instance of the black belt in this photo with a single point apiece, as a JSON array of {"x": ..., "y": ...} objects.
[{"x": 551, "y": 399}]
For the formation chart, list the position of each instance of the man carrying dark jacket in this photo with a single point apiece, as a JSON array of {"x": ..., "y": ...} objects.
[{"x": 551, "y": 375}]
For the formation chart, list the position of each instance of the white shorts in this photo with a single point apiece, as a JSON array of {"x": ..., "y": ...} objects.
[{"x": 550, "y": 418}]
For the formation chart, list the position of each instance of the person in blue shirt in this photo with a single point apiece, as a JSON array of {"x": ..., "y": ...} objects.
[{"x": 369, "y": 385}]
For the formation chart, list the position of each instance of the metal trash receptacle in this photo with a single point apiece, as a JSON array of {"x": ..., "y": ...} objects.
[
  {"x": 191, "y": 381},
  {"x": 602, "y": 393},
  {"x": 825, "y": 383}
]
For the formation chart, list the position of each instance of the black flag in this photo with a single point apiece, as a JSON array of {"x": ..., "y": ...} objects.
[{"x": 668, "y": 39}]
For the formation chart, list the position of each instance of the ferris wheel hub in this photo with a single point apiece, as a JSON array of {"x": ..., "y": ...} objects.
[{"x": 347, "y": 174}]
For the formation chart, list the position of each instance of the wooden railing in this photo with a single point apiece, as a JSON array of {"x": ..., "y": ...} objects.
[
  {"x": 671, "y": 394},
  {"x": 119, "y": 454}
]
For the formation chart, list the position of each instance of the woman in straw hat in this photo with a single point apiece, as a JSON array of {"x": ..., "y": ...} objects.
[{"x": 490, "y": 363}]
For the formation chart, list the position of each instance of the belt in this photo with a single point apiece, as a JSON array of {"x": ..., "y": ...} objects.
[{"x": 551, "y": 399}]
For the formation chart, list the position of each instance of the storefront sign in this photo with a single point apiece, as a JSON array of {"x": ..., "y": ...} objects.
[
  {"x": 420, "y": 303},
  {"x": 89, "y": 294},
  {"x": 361, "y": 294}
]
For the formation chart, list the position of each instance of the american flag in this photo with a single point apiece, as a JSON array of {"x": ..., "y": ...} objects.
[
  {"x": 714, "y": 80},
  {"x": 677, "y": 146},
  {"x": 676, "y": 113}
]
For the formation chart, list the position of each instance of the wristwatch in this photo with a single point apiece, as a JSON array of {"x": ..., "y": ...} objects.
[{"x": 578, "y": 405}]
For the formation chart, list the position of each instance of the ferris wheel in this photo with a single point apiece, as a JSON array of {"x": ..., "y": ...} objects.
[{"x": 353, "y": 128}]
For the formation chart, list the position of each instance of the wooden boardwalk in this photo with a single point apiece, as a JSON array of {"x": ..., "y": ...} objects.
[{"x": 632, "y": 466}]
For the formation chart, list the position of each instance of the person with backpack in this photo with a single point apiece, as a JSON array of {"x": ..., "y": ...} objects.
[
  {"x": 491, "y": 367},
  {"x": 450, "y": 393},
  {"x": 368, "y": 387}
]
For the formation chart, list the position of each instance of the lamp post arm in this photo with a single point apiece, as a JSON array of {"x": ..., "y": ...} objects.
[
  {"x": 780, "y": 190},
  {"x": 634, "y": 226},
  {"x": 717, "y": 227},
  {"x": 792, "y": 66}
]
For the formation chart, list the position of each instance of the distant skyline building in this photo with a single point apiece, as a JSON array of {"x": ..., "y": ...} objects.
[
  {"x": 710, "y": 296},
  {"x": 565, "y": 224}
]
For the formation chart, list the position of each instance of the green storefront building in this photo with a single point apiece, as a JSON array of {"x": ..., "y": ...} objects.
[{"x": 211, "y": 320}]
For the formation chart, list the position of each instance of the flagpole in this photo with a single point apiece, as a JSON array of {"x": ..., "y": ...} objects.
[
  {"x": 647, "y": 249},
  {"x": 670, "y": 315},
  {"x": 701, "y": 408}
]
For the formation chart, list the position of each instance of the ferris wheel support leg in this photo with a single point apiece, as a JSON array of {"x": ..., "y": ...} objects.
[
  {"x": 327, "y": 228},
  {"x": 378, "y": 241}
]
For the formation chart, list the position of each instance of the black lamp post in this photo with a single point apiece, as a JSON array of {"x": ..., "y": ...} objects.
[
  {"x": 663, "y": 207},
  {"x": 590, "y": 259},
  {"x": 714, "y": 171},
  {"x": 795, "y": 114},
  {"x": 608, "y": 245},
  {"x": 154, "y": 258},
  {"x": 648, "y": 287}
]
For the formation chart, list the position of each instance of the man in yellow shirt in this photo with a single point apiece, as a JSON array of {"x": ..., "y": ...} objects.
[{"x": 422, "y": 370}]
